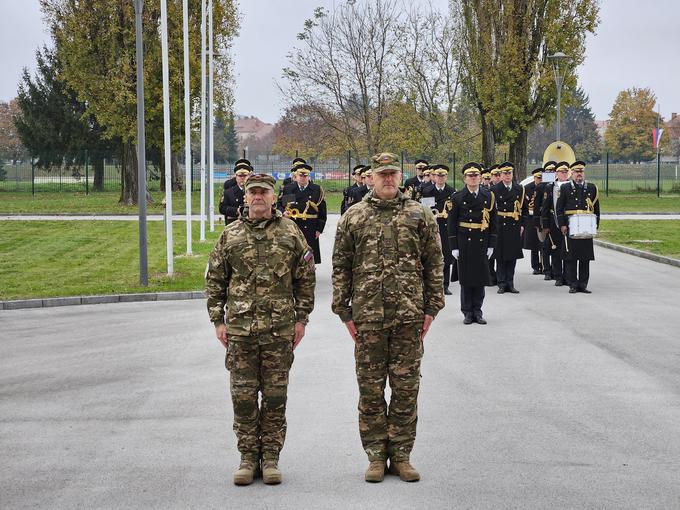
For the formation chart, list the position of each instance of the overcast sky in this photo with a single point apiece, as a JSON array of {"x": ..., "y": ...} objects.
[{"x": 637, "y": 45}]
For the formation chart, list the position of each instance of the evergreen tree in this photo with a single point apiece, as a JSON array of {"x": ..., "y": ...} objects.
[{"x": 232, "y": 140}]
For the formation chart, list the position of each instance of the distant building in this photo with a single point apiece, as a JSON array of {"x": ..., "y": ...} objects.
[
  {"x": 251, "y": 128},
  {"x": 602, "y": 126}
]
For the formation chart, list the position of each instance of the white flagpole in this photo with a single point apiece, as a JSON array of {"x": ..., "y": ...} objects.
[
  {"x": 166, "y": 135},
  {"x": 211, "y": 117},
  {"x": 187, "y": 124},
  {"x": 203, "y": 120}
]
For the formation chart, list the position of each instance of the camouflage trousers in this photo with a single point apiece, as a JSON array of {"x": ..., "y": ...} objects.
[
  {"x": 395, "y": 353},
  {"x": 256, "y": 369}
]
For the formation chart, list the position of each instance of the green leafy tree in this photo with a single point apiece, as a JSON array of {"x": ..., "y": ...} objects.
[
  {"x": 505, "y": 48},
  {"x": 95, "y": 44},
  {"x": 632, "y": 119},
  {"x": 53, "y": 124}
]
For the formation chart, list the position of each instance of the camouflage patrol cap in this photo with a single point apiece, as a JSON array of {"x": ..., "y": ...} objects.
[
  {"x": 260, "y": 181},
  {"x": 385, "y": 161}
]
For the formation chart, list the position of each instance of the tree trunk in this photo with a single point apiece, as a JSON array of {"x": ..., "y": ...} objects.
[
  {"x": 128, "y": 174},
  {"x": 177, "y": 177},
  {"x": 488, "y": 141},
  {"x": 518, "y": 154},
  {"x": 98, "y": 166}
]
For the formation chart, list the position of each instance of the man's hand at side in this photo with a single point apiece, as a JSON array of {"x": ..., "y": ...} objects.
[
  {"x": 352, "y": 330},
  {"x": 221, "y": 333},
  {"x": 299, "y": 333}
]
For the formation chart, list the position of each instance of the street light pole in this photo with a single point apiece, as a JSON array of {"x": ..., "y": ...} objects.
[
  {"x": 559, "y": 73},
  {"x": 141, "y": 149}
]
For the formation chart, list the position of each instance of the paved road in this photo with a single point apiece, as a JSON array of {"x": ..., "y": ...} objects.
[{"x": 562, "y": 401}]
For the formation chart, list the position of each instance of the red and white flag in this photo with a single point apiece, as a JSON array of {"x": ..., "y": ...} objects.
[{"x": 656, "y": 137}]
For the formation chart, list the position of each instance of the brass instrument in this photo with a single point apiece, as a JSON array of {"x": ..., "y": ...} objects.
[
  {"x": 559, "y": 151},
  {"x": 444, "y": 214}
]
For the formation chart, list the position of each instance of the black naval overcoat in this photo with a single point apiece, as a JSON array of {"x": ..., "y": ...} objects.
[
  {"x": 346, "y": 197},
  {"x": 531, "y": 241},
  {"x": 232, "y": 200},
  {"x": 577, "y": 198},
  {"x": 410, "y": 186},
  {"x": 442, "y": 205},
  {"x": 509, "y": 244},
  {"x": 311, "y": 200},
  {"x": 473, "y": 264},
  {"x": 229, "y": 183},
  {"x": 357, "y": 195},
  {"x": 548, "y": 216}
]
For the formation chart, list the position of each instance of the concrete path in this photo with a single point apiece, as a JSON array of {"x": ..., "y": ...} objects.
[
  {"x": 197, "y": 217},
  {"x": 562, "y": 401}
]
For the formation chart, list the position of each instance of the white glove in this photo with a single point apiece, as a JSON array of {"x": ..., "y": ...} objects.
[
  {"x": 489, "y": 251},
  {"x": 455, "y": 254}
]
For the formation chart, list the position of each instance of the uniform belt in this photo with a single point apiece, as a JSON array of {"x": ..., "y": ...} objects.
[
  {"x": 302, "y": 216},
  {"x": 512, "y": 215},
  {"x": 465, "y": 224},
  {"x": 577, "y": 211}
]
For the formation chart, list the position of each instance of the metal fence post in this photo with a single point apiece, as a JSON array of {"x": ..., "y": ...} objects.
[
  {"x": 87, "y": 173},
  {"x": 606, "y": 174},
  {"x": 32, "y": 177},
  {"x": 349, "y": 168},
  {"x": 402, "y": 167}
]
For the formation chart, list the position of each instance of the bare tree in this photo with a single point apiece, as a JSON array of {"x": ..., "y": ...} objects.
[
  {"x": 346, "y": 69},
  {"x": 429, "y": 54}
]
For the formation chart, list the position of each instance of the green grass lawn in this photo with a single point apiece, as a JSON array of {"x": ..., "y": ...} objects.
[
  {"x": 72, "y": 258},
  {"x": 107, "y": 203},
  {"x": 656, "y": 236}
]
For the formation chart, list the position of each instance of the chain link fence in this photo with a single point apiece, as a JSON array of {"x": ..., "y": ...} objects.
[{"x": 334, "y": 174}]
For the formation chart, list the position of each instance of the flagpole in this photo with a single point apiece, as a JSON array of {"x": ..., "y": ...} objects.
[
  {"x": 211, "y": 121},
  {"x": 187, "y": 123},
  {"x": 658, "y": 154},
  {"x": 166, "y": 135},
  {"x": 203, "y": 52}
]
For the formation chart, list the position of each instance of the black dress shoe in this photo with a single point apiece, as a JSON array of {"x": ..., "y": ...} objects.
[
  {"x": 559, "y": 283},
  {"x": 513, "y": 290},
  {"x": 447, "y": 292},
  {"x": 501, "y": 290},
  {"x": 536, "y": 271},
  {"x": 548, "y": 277},
  {"x": 494, "y": 282},
  {"x": 573, "y": 290},
  {"x": 479, "y": 319},
  {"x": 585, "y": 291},
  {"x": 467, "y": 319}
]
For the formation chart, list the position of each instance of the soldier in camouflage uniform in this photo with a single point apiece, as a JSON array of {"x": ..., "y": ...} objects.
[
  {"x": 262, "y": 272},
  {"x": 387, "y": 289}
]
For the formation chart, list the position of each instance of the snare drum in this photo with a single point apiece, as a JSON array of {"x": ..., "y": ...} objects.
[{"x": 582, "y": 226}]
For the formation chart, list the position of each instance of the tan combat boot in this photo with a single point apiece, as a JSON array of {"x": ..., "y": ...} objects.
[
  {"x": 405, "y": 470},
  {"x": 376, "y": 471},
  {"x": 271, "y": 475},
  {"x": 246, "y": 472}
]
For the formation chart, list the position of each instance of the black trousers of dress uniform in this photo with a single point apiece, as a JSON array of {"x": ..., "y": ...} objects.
[
  {"x": 447, "y": 274},
  {"x": 471, "y": 300},
  {"x": 557, "y": 260},
  {"x": 535, "y": 260},
  {"x": 492, "y": 270},
  {"x": 505, "y": 273},
  {"x": 579, "y": 281},
  {"x": 547, "y": 257}
]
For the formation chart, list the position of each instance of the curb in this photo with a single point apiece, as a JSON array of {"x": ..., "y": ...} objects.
[
  {"x": 104, "y": 299},
  {"x": 639, "y": 253}
]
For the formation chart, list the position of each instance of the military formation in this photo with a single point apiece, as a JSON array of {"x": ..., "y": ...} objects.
[{"x": 398, "y": 246}]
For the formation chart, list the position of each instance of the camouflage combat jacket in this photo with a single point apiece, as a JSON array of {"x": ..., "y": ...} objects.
[
  {"x": 387, "y": 263},
  {"x": 262, "y": 271}
]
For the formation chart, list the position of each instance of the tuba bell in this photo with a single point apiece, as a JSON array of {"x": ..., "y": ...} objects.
[{"x": 559, "y": 151}]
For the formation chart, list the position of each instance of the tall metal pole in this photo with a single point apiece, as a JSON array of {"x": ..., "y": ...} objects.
[
  {"x": 658, "y": 155},
  {"x": 211, "y": 119},
  {"x": 203, "y": 27},
  {"x": 555, "y": 59},
  {"x": 166, "y": 135},
  {"x": 141, "y": 149},
  {"x": 187, "y": 123}
]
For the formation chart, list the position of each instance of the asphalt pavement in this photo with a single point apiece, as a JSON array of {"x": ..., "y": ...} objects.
[{"x": 561, "y": 401}]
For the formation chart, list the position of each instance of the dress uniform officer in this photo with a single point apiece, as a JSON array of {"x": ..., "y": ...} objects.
[
  {"x": 304, "y": 203},
  {"x": 486, "y": 179},
  {"x": 549, "y": 223},
  {"x": 347, "y": 192},
  {"x": 296, "y": 162},
  {"x": 233, "y": 197},
  {"x": 512, "y": 216},
  {"x": 531, "y": 240},
  {"x": 358, "y": 194},
  {"x": 442, "y": 192},
  {"x": 232, "y": 182},
  {"x": 577, "y": 197},
  {"x": 472, "y": 238},
  {"x": 547, "y": 176},
  {"x": 414, "y": 182},
  {"x": 495, "y": 179},
  {"x": 417, "y": 191}
]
